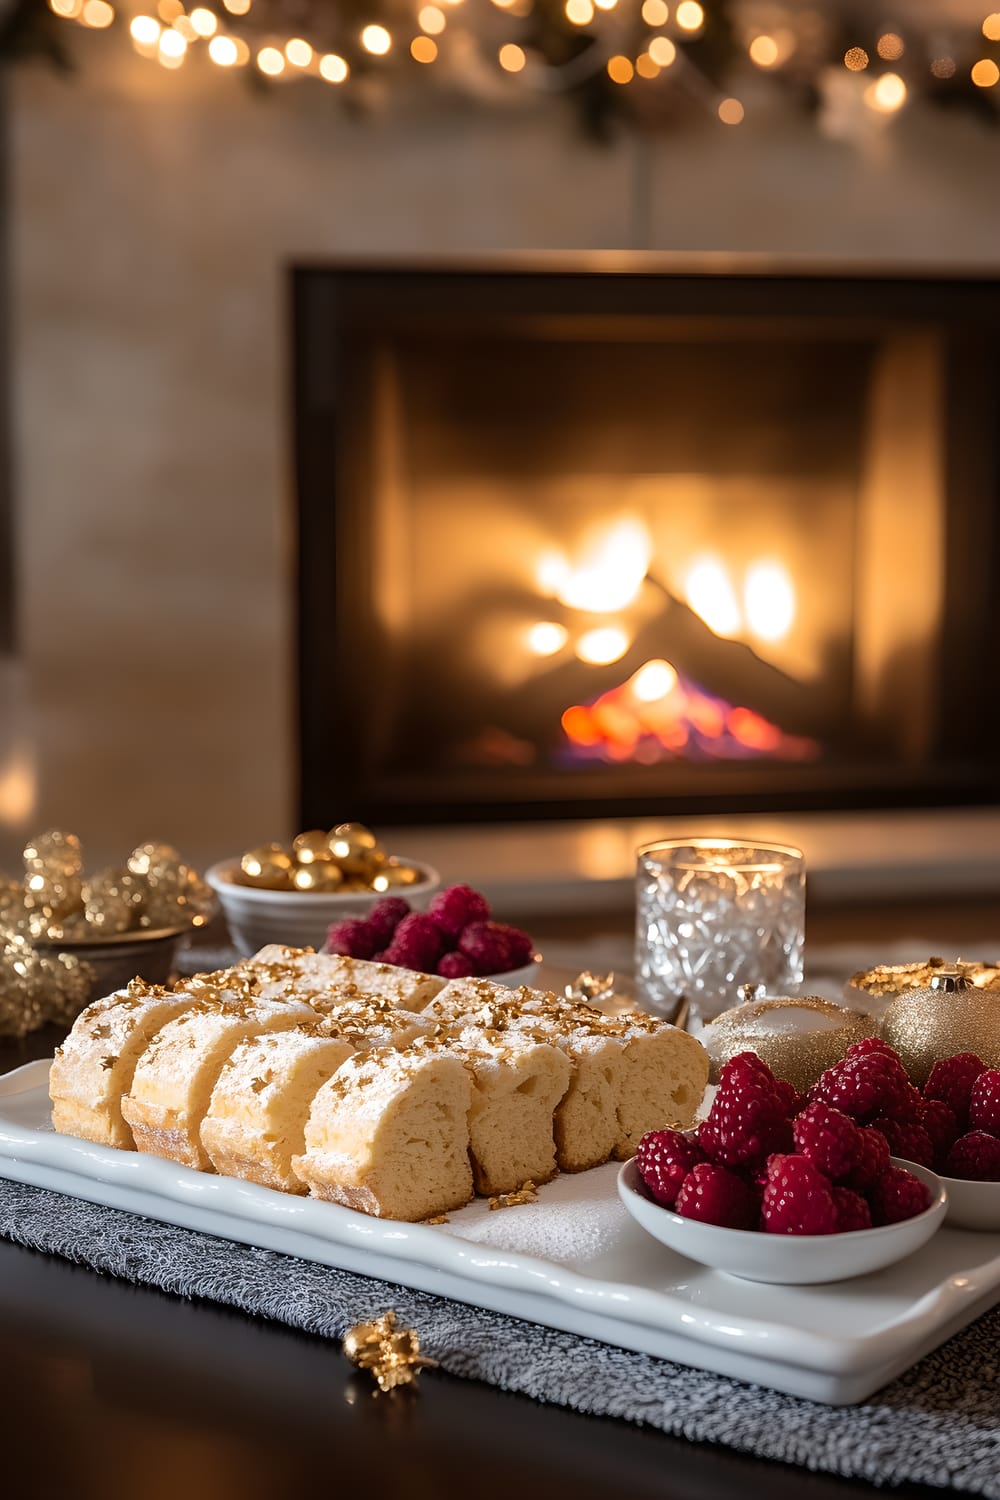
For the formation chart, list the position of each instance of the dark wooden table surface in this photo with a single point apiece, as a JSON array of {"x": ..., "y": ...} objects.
[{"x": 112, "y": 1392}]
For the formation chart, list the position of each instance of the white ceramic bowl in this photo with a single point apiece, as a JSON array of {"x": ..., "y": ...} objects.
[
  {"x": 972, "y": 1205},
  {"x": 300, "y": 918},
  {"x": 785, "y": 1259},
  {"x": 515, "y": 978}
]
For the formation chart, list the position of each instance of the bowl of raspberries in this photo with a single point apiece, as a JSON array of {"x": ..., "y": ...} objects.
[
  {"x": 780, "y": 1187},
  {"x": 963, "y": 1095},
  {"x": 456, "y": 937}
]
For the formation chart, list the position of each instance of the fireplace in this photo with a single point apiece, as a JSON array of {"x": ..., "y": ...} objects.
[{"x": 646, "y": 538}]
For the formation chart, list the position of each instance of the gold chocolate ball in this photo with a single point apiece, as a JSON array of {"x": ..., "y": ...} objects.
[
  {"x": 797, "y": 1038},
  {"x": 393, "y": 875},
  {"x": 927, "y": 1025},
  {"x": 323, "y": 875},
  {"x": 311, "y": 846},
  {"x": 270, "y": 867},
  {"x": 355, "y": 848}
]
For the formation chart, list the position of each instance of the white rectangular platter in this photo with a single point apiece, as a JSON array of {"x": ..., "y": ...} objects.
[{"x": 573, "y": 1260}]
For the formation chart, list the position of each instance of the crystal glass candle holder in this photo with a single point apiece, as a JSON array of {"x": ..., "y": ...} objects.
[{"x": 713, "y": 914}]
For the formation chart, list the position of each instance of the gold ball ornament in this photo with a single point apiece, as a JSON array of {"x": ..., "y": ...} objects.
[
  {"x": 53, "y": 854},
  {"x": 153, "y": 859},
  {"x": 312, "y": 846},
  {"x": 24, "y": 1002},
  {"x": 355, "y": 848},
  {"x": 394, "y": 876},
  {"x": 798, "y": 1038},
  {"x": 270, "y": 867},
  {"x": 950, "y": 1015},
  {"x": 321, "y": 876}
]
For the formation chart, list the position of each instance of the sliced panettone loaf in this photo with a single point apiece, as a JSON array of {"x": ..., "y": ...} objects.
[
  {"x": 94, "y": 1066},
  {"x": 664, "y": 1079},
  {"x": 389, "y": 1135},
  {"x": 256, "y": 1118},
  {"x": 288, "y": 971},
  {"x": 174, "y": 1078}
]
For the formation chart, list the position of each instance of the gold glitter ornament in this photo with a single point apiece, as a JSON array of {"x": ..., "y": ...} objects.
[
  {"x": 390, "y": 1354},
  {"x": 197, "y": 898},
  {"x": 269, "y": 867},
  {"x": 111, "y": 900},
  {"x": 322, "y": 876},
  {"x": 153, "y": 859},
  {"x": 948, "y": 1016},
  {"x": 312, "y": 846},
  {"x": 797, "y": 1038},
  {"x": 355, "y": 848},
  {"x": 53, "y": 854}
]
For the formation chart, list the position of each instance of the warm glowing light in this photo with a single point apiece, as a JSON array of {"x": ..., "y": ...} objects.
[
  {"x": 890, "y": 46},
  {"x": 856, "y": 59},
  {"x": 605, "y": 4},
  {"x": 432, "y": 19},
  {"x": 270, "y": 61},
  {"x": 663, "y": 51},
  {"x": 333, "y": 68},
  {"x": 98, "y": 14},
  {"x": 551, "y": 573},
  {"x": 423, "y": 49},
  {"x": 204, "y": 21},
  {"x": 67, "y": 8},
  {"x": 18, "y": 787},
  {"x": 169, "y": 10},
  {"x": 600, "y": 647},
  {"x": 376, "y": 39},
  {"x": 769, "y": 601},
  {"x": 764, "y": 51},
  {"x": 242, "y": 51},
  {"x": 511, "y": 57},
  {"x": 183, "y": 25},
  {"x": 145, "y": 30},
  {"x": 731, "y": 112},
  {"x": 710, "y": 595},
  {"x": 546, "y": 638},
  {"x": 172, "y": 46},
  {"x": 612, "y": 568},
  {"x": 886, "y": 94},
  {"x": 689, "y": 15},
  {"x": 655, "y": 12},
  {"x": 298, "y": 52},
  {"x": 984, "y": 75},
  {"x": 944, "y": 67},
  {"x": 620, "y": 70},
  {"x": 224, "y": 51},
  {"x": 653, "y": 681},
  {"x": 237, "y": 7},
  {"x": 580, "y": 12},
  {"x": 991, "y": 27},
  {"x": 646, "y": 67}
]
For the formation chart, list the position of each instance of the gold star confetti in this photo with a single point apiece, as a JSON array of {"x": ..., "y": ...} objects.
[{"x": 391, "y": 1355}]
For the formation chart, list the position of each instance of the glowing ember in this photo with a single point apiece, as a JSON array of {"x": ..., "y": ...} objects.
[{"x": 631, "y": 722}]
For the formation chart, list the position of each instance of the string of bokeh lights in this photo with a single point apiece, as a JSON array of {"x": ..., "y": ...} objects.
[{"x": 173, "y": 32}]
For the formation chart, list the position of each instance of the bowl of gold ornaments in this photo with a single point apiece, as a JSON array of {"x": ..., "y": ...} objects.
[
  {"x": 67, "y": 937},
  {"x": 291, "y": 893}
]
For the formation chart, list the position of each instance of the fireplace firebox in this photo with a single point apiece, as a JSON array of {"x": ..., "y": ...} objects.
[{"x": 650, "y": 537}]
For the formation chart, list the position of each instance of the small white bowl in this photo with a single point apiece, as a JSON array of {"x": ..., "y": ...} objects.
[
  {"x": 972, "y": 1205},
  {"x": 300, "y": 918},
  {"x": 785, "y": 1259},
  {"x": 515, "y": 978}
]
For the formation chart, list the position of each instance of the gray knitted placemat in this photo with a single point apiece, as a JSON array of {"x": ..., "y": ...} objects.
[{"x": 939, "y": 1424}]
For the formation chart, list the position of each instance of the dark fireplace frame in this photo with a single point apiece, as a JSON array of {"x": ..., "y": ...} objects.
[{"x": 336, "y": 308}]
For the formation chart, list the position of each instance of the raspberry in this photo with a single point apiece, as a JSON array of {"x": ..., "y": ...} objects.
[
  {"x": 488, "y": 946},
  {"x": 748, "y": 1066},
  {"x": 353, "y": 938},
  {"x": 664, "y": 1159},
  {"x": 454, "y": 908},
  {"x": 746, "y": 1123},
  {"x": 791, "y": 1100},
  {"x": 872, "y": 1161},
  {"x": 419, "y": 942},
  {"x": 522, "y": 946},
  {"x": 951, "y": 1081},
  {"x": 975, "y": 1157},
  {"x": 385, "y": 916},
  {"x": 897, "y": 1195},
  {"x": 863, "y": 1087},
  {"x": 852, "y": 1210},
  {"x": 798, "y": 1199},
  {"x": 906, "y": 1139},
  {"x": 941, "y": 1125},
  {"x": 829, "y": 1139},
  {"x": 984, "y": 1102},
  {"x": 870, "y": 1044},
  {"x": 715, "y": 1196},
  {"x": 455, "y": 966}
]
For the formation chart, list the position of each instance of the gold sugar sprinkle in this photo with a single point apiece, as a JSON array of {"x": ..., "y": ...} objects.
[{"x": 526, "y": 1193}]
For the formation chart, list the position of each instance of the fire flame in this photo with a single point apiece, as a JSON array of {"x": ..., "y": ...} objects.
[
  {"x": 608, "y": 574},
  {"x": 658, "y": 714}
]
